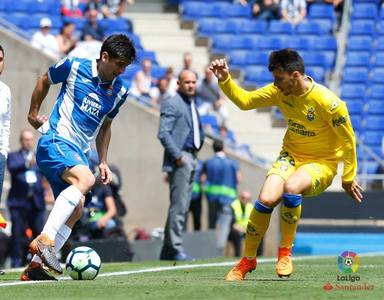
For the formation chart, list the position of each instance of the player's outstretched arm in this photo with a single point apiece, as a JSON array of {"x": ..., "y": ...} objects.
[
  {"x": 219, "y": 67},
  {"x": 102, "y": 144},
  {"x": 38, "y": 95},
  {"x": 354, "y": 190}
]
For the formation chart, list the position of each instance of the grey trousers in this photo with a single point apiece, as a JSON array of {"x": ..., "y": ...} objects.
[
  {"x": 220, "y": 218},
  {"x": 180, "y": 187}
]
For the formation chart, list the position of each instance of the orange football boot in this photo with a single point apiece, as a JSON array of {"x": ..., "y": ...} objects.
[
  {"x": 43, "y": 247},
  {"x": 284, "y": 266},
  {"x": 239, "y": 271}
]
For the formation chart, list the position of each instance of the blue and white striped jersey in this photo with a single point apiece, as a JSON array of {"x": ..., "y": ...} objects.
[{"x": 83, "y": 102}]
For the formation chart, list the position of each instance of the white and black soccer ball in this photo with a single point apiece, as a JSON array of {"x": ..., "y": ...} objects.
[{"x": 83, "y": 263}]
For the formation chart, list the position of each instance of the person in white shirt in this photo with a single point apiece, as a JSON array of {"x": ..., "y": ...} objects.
[
  {"x": 5, "y": 124},
  {"x": 45, "y": 40}
]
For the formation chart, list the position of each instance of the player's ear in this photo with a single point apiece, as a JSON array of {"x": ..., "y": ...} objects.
[
  {"x": 296, "y": 74},
  {"x": 105, "y": 57}
]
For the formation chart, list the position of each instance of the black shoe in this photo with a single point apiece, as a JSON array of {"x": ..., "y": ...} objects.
[
  {"x": 2, "y": 272},
  {"x": 35, "y": 271}
]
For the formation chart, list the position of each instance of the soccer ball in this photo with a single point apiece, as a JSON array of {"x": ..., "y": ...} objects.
[{"x": 83, "y": 263}]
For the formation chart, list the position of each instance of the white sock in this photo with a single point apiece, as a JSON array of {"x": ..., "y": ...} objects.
[
  {"x": 61, "y": 237},
  {"x": 64, "y": 205}
]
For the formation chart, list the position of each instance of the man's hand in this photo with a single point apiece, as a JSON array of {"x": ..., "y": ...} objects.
[
  {"x": 37, "y": 121},
  {"x": 105, "y": 173},
  {"x": 179, "y": 162},
  {"x": 354, "y": 190},
  {"x": 219, "y": 67}
]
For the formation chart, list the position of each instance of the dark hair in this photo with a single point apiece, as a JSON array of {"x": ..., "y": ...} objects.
[
  {"x": 286, "y": 60},
  {"x": 119, "y": 46},
  {"x": 2, "y": 49},
  {"x": 65, "y": 25},
  {"x": 218, "y": 145}
]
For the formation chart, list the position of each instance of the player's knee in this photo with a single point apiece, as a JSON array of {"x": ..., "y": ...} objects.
[
  {"x": 267, "y": 200},
  {"x": 87, "y": 182}
]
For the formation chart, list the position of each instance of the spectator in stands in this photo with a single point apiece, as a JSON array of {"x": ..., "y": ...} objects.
[
  {"x": 172, "y": 81},
  {"x": 102, "y": 211},
  {"x": 220, "y": 177},
  {"x": 26, "y": 196},
  {"x": 45, "y": 40},
  {"x": 65, "y": 39},
  {"x": 142, "y": 85},
  {"x": 92, "y": 30},
  {"x": 187, "y": 63},
  {"x": 160, "y": 93},
  {"x": 5, "y": 124},
  {"x": 71, "y": 8},
  {"x": 241, "y": 210},
  {"x": 115, "y": 8},
  {"x": 195, "y": 205},
  {"x": 181, "y": 135},
  {"x": 226, "y": 136},
  {"x": 213, "y": 102},
  {"x": 266, "y": 9},
  {"x": 293, "y": 11}
]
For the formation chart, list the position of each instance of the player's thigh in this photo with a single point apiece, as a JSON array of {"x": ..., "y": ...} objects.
[
  {"x": 272, "y": 190},
  {"x": 322, "y": 175},
  {"x": 298, "y": 182}
]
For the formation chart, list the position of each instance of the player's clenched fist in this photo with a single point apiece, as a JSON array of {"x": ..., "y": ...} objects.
[{"x": 219, "y": 67}]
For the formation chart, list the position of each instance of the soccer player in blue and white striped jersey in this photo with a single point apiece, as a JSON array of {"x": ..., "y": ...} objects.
[{"x": 90, "y": 97}]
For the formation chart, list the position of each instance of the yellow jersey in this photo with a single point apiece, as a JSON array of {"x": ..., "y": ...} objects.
[{"x": 319, "y": 126}]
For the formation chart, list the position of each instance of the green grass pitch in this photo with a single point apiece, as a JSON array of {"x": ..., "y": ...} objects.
[{"x": 207, "y": 282}]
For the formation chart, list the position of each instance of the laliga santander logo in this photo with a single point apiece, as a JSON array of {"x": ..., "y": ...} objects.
[{"x": 348, "y": 262}]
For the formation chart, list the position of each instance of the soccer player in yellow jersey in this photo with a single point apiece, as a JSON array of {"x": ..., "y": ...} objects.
[{"x": 319, "y": 135}]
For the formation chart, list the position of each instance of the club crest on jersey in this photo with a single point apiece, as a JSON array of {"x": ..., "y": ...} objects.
[
  {"x": 110, "y": 91},
  {"x": 334, "y": 105},
  {"x": 311, "y": 114}
]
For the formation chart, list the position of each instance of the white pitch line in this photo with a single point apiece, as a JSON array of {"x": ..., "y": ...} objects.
[{"x": 182, "y": 267}]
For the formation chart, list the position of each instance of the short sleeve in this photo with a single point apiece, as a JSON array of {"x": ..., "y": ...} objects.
[
  {"x": 60, "y": 71},
  {"x": 121, "y": 98}
]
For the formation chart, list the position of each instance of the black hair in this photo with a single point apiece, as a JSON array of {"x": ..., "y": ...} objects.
[
  {"x": 65, "y": 25},
  {"x": 286, "y": 60},
  {"x": 218, "y": 145},
  {"x": 119, "y": 46},
  {"x": 2, "y": 49}
]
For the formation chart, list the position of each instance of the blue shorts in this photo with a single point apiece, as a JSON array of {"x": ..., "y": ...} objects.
[{"x": 53, "y": 156}]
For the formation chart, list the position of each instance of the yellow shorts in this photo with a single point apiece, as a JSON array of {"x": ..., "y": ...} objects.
[{"x": 322, "y": 172}]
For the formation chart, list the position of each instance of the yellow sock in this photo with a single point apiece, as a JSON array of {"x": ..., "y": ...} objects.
[
  {"x": 257, "y": 226},
  {"x": 289, "y": 219}
]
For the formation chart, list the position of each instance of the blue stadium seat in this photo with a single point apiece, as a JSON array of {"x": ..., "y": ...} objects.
[
  {"x": 322, "y": 11},
  {"x": 79, "y": 22},
  {"x": 377, "y": 75},
  {"x": 279, "y": 27},
  {"x": 355, "y": 75},
  {"x": 313, "y": 59},
  {"x": 358, "y": 59},
  {"x": 375, "y": 107},
  {"x": 355, "y": 107},
  {"x": 317, "y": 73},
  {"x": 158, "y": 71},
  {"x": 356, "y": 123},
  {"x": 253, "y": 26},
  {"x": 353, "y": 91},
  {"x": 209, "y": 120},
  {"x": 208, "y": 26},
  {"x": 144, "y": 54},
  {"x": 314, "y": 27},
  {"x": 131, "y": 71},
  {"x": 374, "y": 123},
  {"x": 363, "y": 27},
  {"x": 258, "y": 74},
  {"x": 377, "y": 91},
  {"x": 326, "y": 43},
  {"x": 237, "y": 58},
  {"x": 365, "y": 11},
  {"x": 380, "y": 28},
  {"x": 238, "y": 11},
  {"x": 357, "y": 43},
  {"x": 17, "y": 6},
  {"x": 368, "y": 167},
  {"x": 257, "y": 58},
  {"x": 119, "y": 24},
  {"x": 379, "y": 44},
  {"x": 373, "y": 138},
  {"x": 192, "y": 10},
  {"x": 221, "y": 41},
  {"x": 300, "y": 43},
  {"x": 272, "y": 42}
]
